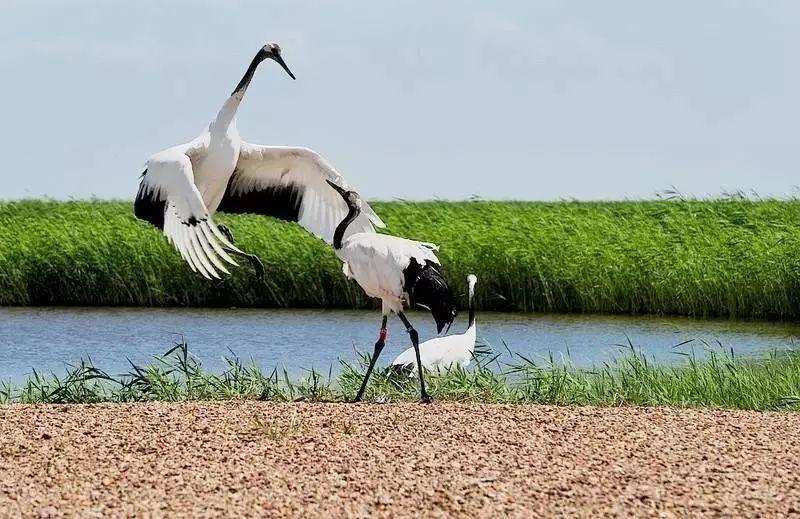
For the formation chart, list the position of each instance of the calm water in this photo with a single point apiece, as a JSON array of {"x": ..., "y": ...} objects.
[{"x": 295, "y": 339}]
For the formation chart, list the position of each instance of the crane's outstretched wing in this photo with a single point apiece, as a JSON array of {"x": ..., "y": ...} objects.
[
  {"x": 168, "y": 199},
  {"x": 290, "y": 184}
]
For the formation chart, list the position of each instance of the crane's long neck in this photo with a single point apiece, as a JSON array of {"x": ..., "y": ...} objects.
[
  {"x": 227, "y": 114},
  {"x": 471, "y": 307},
  {"x": 241, "y": 87},
  {"x": 338, "y": 235}
]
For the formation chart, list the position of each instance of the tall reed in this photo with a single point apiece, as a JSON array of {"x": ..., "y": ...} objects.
[{"x": 738, "y": 258}]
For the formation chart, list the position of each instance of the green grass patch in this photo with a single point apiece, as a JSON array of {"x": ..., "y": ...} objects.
[
  {"x": 738, "y": 258},
  {"x": 720, "y": 381}
]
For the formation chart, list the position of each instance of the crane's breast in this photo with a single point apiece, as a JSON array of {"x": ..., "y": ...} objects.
[{"x": 213, "y": 171}]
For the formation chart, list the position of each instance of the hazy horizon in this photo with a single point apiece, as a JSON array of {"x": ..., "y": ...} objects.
[{"x": 419, "y": 100}]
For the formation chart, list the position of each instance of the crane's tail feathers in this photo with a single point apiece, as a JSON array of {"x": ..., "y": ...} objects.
[{"x": 428, "y": 288}]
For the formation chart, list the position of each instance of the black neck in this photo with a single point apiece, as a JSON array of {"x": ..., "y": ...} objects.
[
  {"x": 352, "y": 214},
  {"x": 471, "y": 310},
  {"x": 248, "y": 74}
]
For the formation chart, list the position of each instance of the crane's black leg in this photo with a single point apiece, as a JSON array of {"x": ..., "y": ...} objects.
[
  {"x": 254, "y": 260},
  {"x": 424, "y": 396},
  {"x": 378, "y": 348}
]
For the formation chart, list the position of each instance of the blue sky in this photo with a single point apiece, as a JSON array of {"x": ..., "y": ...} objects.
[{"x": 420, "y": 99}]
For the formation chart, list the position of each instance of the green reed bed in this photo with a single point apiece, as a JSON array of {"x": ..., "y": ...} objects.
[
  {"x": 719, "y": 381},
  {"x": 737, "y": 258}
]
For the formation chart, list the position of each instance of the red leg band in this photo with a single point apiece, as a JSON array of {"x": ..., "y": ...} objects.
[{"x": 382, "y": 335}]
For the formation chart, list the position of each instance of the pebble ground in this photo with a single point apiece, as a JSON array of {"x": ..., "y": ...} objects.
[{"x": 269, "y": 459}]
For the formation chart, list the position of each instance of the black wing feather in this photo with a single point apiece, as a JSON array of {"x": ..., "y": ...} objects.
[
  {"x": 278, "y": 201},
  {"x": 148, "y": 207}
]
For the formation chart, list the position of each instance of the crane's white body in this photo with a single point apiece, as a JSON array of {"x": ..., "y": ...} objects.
[
  {"x": 443, "y": 353},
  {"x": 192, "y": 179},
  {"x": 222, "y": 144},
  {"x": 377, "y": 262}
]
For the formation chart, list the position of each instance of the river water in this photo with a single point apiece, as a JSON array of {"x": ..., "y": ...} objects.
[{"x": 45, "y": 338}]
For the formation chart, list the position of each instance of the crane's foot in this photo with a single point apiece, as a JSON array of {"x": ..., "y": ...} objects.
[
  {"x": 225, "y": 230},
  {"x": 426, "y": 399},
  {"x": 255, "y": 261}
]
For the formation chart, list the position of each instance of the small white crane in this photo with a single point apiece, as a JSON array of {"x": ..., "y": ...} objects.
[
  {"x": 449, "y": 351},
  {"x": 400, "y": 272},
  {"x": 185, "y": 185}
]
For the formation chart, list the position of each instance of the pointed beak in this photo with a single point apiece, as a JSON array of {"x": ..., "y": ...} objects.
[
  {"x": 338, "y": 189},
  {"x": 282, "y": 63}
]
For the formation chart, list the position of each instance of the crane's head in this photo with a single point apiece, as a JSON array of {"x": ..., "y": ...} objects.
[
  {"x": 351, "y": 198},
  {"x": 471, "y": 280},
  {"x": 273, "y": 51}
]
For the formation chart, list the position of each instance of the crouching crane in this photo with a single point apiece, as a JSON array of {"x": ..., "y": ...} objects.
[
  {"x": 400, "y": 272},
  {"x": 449, "y": 351}
]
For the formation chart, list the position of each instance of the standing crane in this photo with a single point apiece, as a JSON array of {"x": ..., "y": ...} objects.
[{"x": 401, "y": 272}]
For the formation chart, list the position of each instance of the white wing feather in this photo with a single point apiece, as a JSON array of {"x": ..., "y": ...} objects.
[
  {"x": 321, "y": 208},
  {"x": 187, "y": 223}
]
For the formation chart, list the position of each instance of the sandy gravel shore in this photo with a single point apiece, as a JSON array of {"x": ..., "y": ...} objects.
[{"x": 159, "y": 459}]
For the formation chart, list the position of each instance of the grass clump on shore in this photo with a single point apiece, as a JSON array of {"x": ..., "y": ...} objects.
[
  {"x": 734, "y": 257},
  {"x": 720, "y": 381}
]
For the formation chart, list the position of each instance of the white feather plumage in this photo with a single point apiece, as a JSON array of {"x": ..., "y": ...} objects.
[
  {"x": 377, "y": 261},
  {"x": 192, "y": 180}
]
